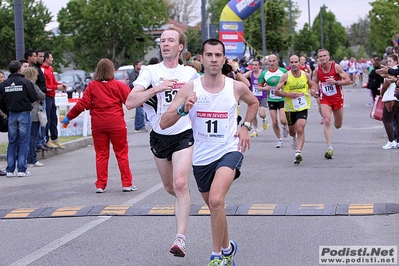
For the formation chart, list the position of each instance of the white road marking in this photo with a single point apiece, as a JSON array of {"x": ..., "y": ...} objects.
[{"x": 79, "y": 231}]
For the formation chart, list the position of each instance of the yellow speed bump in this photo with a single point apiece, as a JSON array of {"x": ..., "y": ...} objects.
[
  {"x": 20, "y": 213},
  {"x": 67, "y": 211},
  {"x": 360, "y": 209},
  {"x": 115, "y": 210},
  {"x": 262, "y": 209}
]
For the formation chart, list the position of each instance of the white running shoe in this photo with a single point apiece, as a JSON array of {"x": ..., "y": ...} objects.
[
  {"x": 279, "y": 143},
  {"x": 390, "y": 145},
  {"x": 293, "y": 143},
  {"x": 178, "y": 247},
  {"x": 298, "y": 157},
  {"x": 285, "y": 131}
]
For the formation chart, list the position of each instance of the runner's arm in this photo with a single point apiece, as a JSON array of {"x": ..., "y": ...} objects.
[
  {"x": 345, "y": 80},
  {"x": 139, "y": 94},
  {"x": 186, "y": 98}
]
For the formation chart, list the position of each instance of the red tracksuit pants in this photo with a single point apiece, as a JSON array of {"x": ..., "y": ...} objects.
[{"x": 101, "y": 141}]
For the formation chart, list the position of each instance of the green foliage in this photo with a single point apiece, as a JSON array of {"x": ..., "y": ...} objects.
[
  {"x": 333, "y": 32},
  {"x": 215, "y": 9},
  {"x": 36, "y": 16},
  {"x": 383, "y": 24},
  {"x": 95, "y": 29},
  {"x": 194, "y": 40},
  {"x": 305, "y": 41}
]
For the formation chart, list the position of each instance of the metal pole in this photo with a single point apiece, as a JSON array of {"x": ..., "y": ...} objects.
[
  {"x": 291, "y": 28},
  {"x": 19, "y": 29},
  {"x": 203, "y": 20},
  {"x": 321, "y": 28},
  {"x": 262, "y": 12},
  {"x": 309, "y": 12}
]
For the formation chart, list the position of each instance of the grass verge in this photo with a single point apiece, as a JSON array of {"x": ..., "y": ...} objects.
[{"x": 3, "y": 146}]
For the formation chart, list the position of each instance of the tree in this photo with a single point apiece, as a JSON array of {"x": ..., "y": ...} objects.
[
  {"x": 194, "y": 40},
  {"x": 334, "y": 33},
  {"x": 215, "y": 8},
  {"x": 184, "y": 11},
  {"x": 383, "y": 24},
  {"x": 305, "y": 41},
  {"x": 36, "y": 16},
  {"x": 118, "y": 30},
  {"x": 277, "y": 28}
]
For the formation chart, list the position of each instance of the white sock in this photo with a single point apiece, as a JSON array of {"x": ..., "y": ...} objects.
[
  {"x": 181, "y": 236},
  {"x": 216, "y": 254},
  {"x": 227, "y": 251}
]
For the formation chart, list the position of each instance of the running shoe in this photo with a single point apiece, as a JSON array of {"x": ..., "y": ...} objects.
[
  {"x": 129, "y": 189},
  {"x": 285, "y": 131},
  {"x": 100, "y": 190},
  {"x": 228, "y": 260},
  {"x": 255, "y": 134},
  {"x": 178, "y": 247},
  {"x": 298, "y": 157},
  {"x": 390, "y": 145},
  {"x": 264, "y": 123},
  {"x": 293, "y": 143},
  {"x": 24, "y": 174},
  {"x": 9, "y": 174},
  {"x": 215, "y": 261},
  {"x": 279, "y": 143},
  {"x": 329, "y": 154}
]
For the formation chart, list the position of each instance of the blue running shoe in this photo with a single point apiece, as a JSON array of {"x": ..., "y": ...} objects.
[{"x": 228, "y": 260}]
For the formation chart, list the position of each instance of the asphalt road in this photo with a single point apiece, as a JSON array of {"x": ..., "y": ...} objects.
[{"x": 360, "y": 173}]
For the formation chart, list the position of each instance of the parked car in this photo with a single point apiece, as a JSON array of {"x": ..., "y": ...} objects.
[
  {"x": 81, "y": 73},
  {"x": 122, "y": 75},
  {"x": 6, "y": 73},
  {"x": 73, "y": 82},
  {"x": 128, "y": 68},
  {"x": 57, "y": 76}
]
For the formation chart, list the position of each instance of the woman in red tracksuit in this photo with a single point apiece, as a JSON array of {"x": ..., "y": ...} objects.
[{"x": 104, "y": 97}]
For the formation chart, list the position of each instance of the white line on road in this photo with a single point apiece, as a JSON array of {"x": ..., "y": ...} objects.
[{"x": 79, "y": 231}]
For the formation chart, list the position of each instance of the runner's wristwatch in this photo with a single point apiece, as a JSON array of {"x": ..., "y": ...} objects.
[{"x": 247, "y": 125}]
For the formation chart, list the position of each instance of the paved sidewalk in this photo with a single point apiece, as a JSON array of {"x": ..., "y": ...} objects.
[{"x": 69, "y": 146}]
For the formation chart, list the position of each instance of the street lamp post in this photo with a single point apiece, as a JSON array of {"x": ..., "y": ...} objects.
[
  {"x": 291, "y": 29},
  {"x": 309, "y": 12},
  {"x": 262, "y": 11},
  {"x": 321, "y": 26}
]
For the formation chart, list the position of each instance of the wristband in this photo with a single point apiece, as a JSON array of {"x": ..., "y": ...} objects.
[{"x": 180, "y": 110}]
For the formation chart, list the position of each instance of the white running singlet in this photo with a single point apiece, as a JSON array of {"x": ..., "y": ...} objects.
[
  {"x": 214, "y": 123},
  {"x": 153, "y": 75}
]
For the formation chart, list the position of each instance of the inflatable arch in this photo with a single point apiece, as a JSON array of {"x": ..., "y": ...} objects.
[{"x": 231, "y": 25}]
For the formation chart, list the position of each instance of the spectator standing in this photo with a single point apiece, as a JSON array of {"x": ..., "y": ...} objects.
[
  {"x": 104, "y": 97},
  {"x": 51, "y": 110},
  {"x": 31, "y": 74},
  {"x": 139, "y": 124},
  {"x": 41, "y": 83},
  {"x": 16, "y": 97},
  {"x": 375, "y": 80},
  {"x": 391, "y": 105},
  {"x": 2, "y": 173}
]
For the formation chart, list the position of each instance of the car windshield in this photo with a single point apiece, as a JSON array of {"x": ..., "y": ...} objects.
[{"x": 66, "y": 79}]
